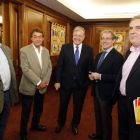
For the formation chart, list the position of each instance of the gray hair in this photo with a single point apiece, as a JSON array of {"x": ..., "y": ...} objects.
[
  {"x": 79, "y": 28},
  {"x": 135, "y": 17},
  {"x": 109, "y": 31}
]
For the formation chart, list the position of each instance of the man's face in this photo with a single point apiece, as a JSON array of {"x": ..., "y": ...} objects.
[
  {"x": 37, "y": 39},
  {"x": 107, "y": 41},
  {"x": 78, "y": 37},
  {"x": 134, "y": 32}
]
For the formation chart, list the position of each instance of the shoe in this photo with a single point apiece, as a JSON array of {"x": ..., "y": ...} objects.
[
  {"x": 23, "y": 138},
  {"x": 94, "y": 136},
  {"x": 58, "y": 128},
  {"x": 38, "y": 127},
  {"x": 75, "y": 130}
]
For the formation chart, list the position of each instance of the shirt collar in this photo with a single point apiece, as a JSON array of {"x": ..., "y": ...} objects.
[
  {"x": 0, "y": 45},
  {"x": 36, "y": 48},
  {"x": 132, "y": 49},
  {"x": 80, "y": 45},
  {"x": 108, "y": 50}
]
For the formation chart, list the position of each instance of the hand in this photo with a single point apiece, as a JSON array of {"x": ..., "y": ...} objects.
[
  {"x": 38, "y": 87},
  {"x": 90, "y": 77},
  {"x": 96, "y": 75},
  {"x": 43, "y": 84},
  {"x": 57, "y": 86}
]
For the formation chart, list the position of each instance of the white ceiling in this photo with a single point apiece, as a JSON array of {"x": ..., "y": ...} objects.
[{"x": 93, "y": 10}]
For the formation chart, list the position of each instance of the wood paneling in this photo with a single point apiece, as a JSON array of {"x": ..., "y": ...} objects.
[
  {"x": 16, "y": 40},
  {"x": 6, "y": 24},
  {"x": 34, "y": 19},
  {"x": 70, "y": 33}
]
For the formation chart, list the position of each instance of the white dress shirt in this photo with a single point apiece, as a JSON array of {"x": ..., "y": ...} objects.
[
  {"x": 38, "y": 54},
  {"x": 5, "y": 73},
  {"x": 39, "y": 58}
]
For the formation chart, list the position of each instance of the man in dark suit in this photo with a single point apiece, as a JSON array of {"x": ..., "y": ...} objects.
[
  {"x": 107, "y": 66},
  {"x": 74, "y": 63},
  {"x": 128, "y": 84},
  {"x": 8, "y": 86}
]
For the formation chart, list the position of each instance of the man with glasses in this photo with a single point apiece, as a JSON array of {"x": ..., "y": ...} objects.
[
  {"x": 107, "y": 66},
  {"x": 74, "y": 63}
]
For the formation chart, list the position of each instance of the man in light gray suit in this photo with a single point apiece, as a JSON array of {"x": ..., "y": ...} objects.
[
  {"x": 36, "y": 68},
  {"x": 8, "y": 86}
]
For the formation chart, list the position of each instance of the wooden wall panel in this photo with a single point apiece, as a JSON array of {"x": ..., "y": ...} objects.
[
  {"x": 88, "y": 35},
  {"x": 6, "y": 24},
  {"x": 34, "y": 19},
  {"x": 70, "y": 34}
]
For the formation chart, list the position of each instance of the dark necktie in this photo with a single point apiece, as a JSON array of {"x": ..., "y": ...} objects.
[
  {"x": 77, "y": 55},
  {"x": 101, "y": 59}
]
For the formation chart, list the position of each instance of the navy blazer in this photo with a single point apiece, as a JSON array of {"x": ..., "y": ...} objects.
[
  {"x": 109, "y": 69},
  {"x": 67, "y": 69}
]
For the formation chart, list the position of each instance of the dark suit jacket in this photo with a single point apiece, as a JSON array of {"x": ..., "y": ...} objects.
[
  {"x": 13, "y": 84},
  {"x": 132, "y": 85},
  {"x": 67, "y": 69},
  {"x": 108, "y": 70}
]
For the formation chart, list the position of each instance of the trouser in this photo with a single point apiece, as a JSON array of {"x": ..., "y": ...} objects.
[
  {"x": 4, "y": 115},
  {"x": 26, "y": 108},
  {"x": 128, "y": 129},
  {"x": 103, "y": 116},
  {"x": 78, "y": 101}
]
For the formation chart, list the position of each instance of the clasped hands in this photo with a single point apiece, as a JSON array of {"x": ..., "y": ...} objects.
[
  {"x": 94, "y": 76},
  {"x": 42, "y": 85}
]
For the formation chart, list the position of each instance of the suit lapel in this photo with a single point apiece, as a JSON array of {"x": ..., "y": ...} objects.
[
  {"x": 71, "y": 53},
  {"x": 127, "y": 54},
  {"x": 83, "y": 52},
  {"x": 34, "y": 55},
  {"x": 97, "y": 60},
  {"x": 107, "y": 57},
  {"x": 42, "y": 56},
  {"x": 5, "y": 52},
  {"x": 135, "y": 66}
]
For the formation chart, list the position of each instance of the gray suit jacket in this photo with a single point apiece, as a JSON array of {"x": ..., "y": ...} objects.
[
  {"x": 31, "y": 70},
  {"x": 13, "y": 85}
]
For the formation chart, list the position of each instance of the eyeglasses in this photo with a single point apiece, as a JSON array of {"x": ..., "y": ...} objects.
[
  {"x": 78, "y": 36},
  {"x": 106, "y": 38},
  {"x": 40, "y": 37}
]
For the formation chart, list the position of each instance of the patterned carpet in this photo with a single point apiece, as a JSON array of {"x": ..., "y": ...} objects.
[{"x": 49, "y": 119}]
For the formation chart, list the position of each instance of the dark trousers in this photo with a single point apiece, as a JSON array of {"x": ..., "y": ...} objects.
[
  {"x": 103, "y": 117},
  {"x": 26, "y": 108},
  {"x": 4, "y": 115},
  {"x": 128, "y": 129},
  {"x": 78, "y": 101}
]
